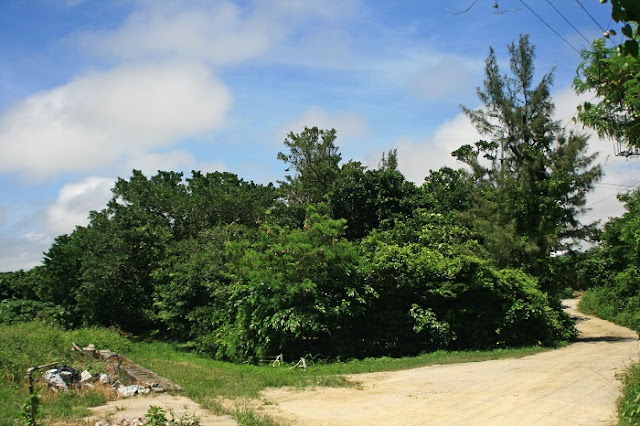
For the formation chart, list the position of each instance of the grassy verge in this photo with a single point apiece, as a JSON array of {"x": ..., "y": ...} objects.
[
  {"x": 220, "y": 386},
  {"x": 629, "y": 402},
  {"x": 599, "y": 302}
]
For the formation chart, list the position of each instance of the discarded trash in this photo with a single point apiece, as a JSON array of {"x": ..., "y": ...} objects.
[
  {"x": 124, "y": 421},
  {"x": 85, "y": 376},
  {"x": 54, "y": 379},
  {"x": 132, "y": 390},
  {"x": 90, "y": 350}
]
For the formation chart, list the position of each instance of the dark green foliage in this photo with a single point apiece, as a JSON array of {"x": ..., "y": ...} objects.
[
  {"x": 19, "y": 285},
  {"x": 628, "y": 13},
  {"x": 103, "y": 273},
  {"x": 613, "y": 268},
  {"x": 369, "y": 198},
  {"x": 428, "y": 300},
  {"x": 190, "y": 284},
  {"x": 447, "y": 190},
  {"x": 339, "y": 262},
  {"x": 313, "y": 158}
]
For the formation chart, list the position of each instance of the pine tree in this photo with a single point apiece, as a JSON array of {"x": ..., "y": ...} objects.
[{"x": 531, "y": 176}]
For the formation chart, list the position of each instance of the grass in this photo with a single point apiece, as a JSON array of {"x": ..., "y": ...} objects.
[
  {"x": 220, "y": 386},
  {"x": 599, "y": 302},
  {"x": 629, "y": 402}
]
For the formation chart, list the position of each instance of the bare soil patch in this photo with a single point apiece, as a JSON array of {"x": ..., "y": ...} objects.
[
  {"x": 138, "y": 406},
  {"x": 574, "y": 385}
]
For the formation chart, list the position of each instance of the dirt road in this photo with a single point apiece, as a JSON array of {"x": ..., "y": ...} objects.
[{"x": 575, "y": 385}]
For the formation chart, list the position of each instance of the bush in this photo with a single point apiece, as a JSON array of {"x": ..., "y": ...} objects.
[{"x": 25, "y": 310}]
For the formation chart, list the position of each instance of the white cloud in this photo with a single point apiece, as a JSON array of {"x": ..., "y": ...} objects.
[
  {"x": 416, "y": 158},
  {"x": 75, "y": 201},
  {"x": 349, "y": 125},
  {"x": 450, "y": 78},
  {"x": 219, "y": 33},
  {"x": 618, "y": 172},
  {"x": 95, "y": 119},
  {"x": 21, "y": 252}
]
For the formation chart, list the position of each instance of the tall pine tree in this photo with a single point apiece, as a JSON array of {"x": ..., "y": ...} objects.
[{"x": 531, "y": 175}]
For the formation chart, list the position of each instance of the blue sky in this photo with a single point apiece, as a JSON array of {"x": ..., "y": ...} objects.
[{"x": 90, "y": 90}]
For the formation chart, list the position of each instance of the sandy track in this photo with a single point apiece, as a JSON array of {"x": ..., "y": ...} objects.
[{"x": 575, "y": 385}]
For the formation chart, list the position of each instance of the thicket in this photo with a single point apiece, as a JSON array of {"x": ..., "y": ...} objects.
[
  {"x": 612, "y": 269},
  {"x": 338, "y": 260}
]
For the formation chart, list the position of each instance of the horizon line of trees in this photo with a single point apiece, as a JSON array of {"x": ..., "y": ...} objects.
[{"x": 338, "y": 260}]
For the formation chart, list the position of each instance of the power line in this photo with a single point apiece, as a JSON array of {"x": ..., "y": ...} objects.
[
  {"x": 568, "y": 22},
  {"x": 549, "y": 26},
  {"x": 616, "y": 194},
  {"x": 590, "y": 16}
]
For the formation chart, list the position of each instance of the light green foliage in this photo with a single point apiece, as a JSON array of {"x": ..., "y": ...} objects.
[
  {"x": 531, "y": 178},
  {"x": 294, "y": 291},
  {"x": 27, "y": 345},
  {"x": 614, "y": 79},
  {"x": 629, "y": 402}
]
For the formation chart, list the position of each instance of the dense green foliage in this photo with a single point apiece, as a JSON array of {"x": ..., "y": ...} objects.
[
  {"x": 613, "y": 268},
  {"x": 338, "y": 261}
]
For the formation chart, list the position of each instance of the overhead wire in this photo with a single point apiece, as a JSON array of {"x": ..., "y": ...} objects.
[
  {"x": 549, "y": 26},
  {"x": 635, "y": 184},
  {"x": 590, "y": 16},
  {"x": 568, "y": 22}
]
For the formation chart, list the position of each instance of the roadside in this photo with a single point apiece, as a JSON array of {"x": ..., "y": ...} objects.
[{"x": 575, "y": 385}]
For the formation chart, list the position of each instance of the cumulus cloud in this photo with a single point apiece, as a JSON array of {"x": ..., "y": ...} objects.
[
  {"x": 416, "y": 158},
  {"x": 349, "y": 125},
  {"x": 75, "y": 201},
  {"x": 96, "y": 119}
]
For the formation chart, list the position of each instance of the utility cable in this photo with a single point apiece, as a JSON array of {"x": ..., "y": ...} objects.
[
  {"x": 568, "y": 22},
  {"x": 550, "y": 27},
  {"x": 616, "y": 194},
  {"x": 590, "y": 16}
]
